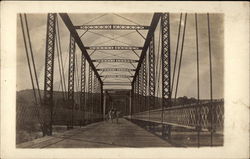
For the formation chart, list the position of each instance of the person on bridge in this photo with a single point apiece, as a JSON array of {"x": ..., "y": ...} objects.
[
  {"x": 111, "y": 114},
  {"x": 116, "y": 115}
]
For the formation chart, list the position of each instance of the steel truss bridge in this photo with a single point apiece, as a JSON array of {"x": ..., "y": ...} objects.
[{"x": 145, "y": 105}]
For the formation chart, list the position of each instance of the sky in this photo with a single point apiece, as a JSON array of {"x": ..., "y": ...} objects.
[{"x": 188, "y": 75}]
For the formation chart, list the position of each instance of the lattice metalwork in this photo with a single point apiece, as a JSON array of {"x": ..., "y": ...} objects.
[
  {"x": 95, "y": 91},
  {"x": 49, "y": 59},
  {"x": 71, "y": 69},
  {"x": 115, "y": 69},
  {"x": 151, "y": 61},
  {"x": 186, "y": 116},
  {"x": 83, "y": 83},
  {"x": 140, "y": 87},
  {"x": 166, "y": 74},
  {"x": 136, "y": 94},
  {"x": 144, "y": 85},
  {"x": 90, "y": 90},
  {"x": 116, "y": 60},
  {"x": 113, "y": 48},
  {"x": 112, "y": 27},
  {"x": 102, "y": 97}
]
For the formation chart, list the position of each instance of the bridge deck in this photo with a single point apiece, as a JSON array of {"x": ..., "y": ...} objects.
[{"x": 98, "y": 135}]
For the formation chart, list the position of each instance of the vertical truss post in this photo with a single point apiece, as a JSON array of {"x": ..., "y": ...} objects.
[
  {"x": 151, "y": 88},
  {"x": 49, "y": 74},
  {"x": 131, "y": 99},
  {"x": 166, "y": 74},
  {"x": 136, "y": 94},
  {"x": 83, "y": 82},
  {"x": 71, "y": 78},
  {"x": 90, "y": 93},
  {"x": 102, "y": 102},
  {"x": 144, "y": 86},
  {"x": 140, "y": 87},
  {"x": 95, "y": 102},
  {"x": 166, "y": 92}
]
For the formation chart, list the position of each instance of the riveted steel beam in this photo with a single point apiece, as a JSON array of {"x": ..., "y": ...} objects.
[
  {"x": 49, "y": 74},
  {"x": 83, "y": 83},
  {"x": 112, "y": 27},
  {"x": 115, "y": 69},
  {"x": 117, "y": 76},
  {"x": 154, "y": 22},
  {"x": 116, "y": 60},
  {"x": 71, "y": 70},
  {"x": 71, "y": 28},
  {"x": 49, "y": 58},
  {"x": 151, "y": 64},
  {"x": 166, "y": 75},
  {"x": 113, "y": 48}
]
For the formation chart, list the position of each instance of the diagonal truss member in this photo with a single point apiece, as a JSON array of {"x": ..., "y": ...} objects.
[
  {"x": 154, "y": 22},
  {"x": 112, "y": 27}
]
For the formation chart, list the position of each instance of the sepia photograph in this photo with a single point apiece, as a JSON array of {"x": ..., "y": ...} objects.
[
  {"x": 109, "y": 80},
  {"x": 119, "y": 80}
]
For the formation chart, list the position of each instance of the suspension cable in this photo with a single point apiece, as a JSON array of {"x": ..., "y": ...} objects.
[
  {"x": 29, "y": 66},
  {"x": 59, "y": 64},
  {"x": 211, "y": 82},
  {"x": 197, "y": 54},
  {"x": 198, "y": 81},
  {"x": 60, "y": 54},
  {"x": 183, "y": 40},
  {"x": 32, "y": 57},
  {"x": 176, "y": 53},
  {"x": 28, "y": 60}
]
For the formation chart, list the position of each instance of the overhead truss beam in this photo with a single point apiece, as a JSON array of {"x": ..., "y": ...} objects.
[
  {"x": 113, "y": 48},
  {"x": 116, "y": 60},
  {"x": 117, "y": 76},
  {"x": 112, "y": 27},
  {"x": 115, "y": 69},
  {"x": 71, "y": 28}
]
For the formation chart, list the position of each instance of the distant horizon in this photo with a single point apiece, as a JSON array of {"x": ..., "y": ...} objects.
[{"x": 189, "y": 97}]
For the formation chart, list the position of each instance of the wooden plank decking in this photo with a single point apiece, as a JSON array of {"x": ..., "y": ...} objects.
[{"x": 100, "y": 135}]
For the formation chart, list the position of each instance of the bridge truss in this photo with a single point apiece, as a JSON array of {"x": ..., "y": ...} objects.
[{"x": 146, "y": 105}]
